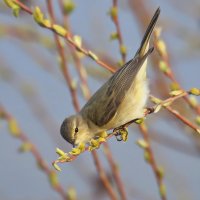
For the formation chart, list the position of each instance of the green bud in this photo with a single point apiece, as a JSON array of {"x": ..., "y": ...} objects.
[
  {"x": 164, "y": 67},
  {"x": 68, "y": 6},
  {"x": 81, "y": 147},
  {"x": 176, "y": 92},
  {"x": 16, "y": 9},
  {"x": 103, "y": 134},
  {"x": 46, "y": 23},
  {"x": 123, "y": 49},
  {"x": 195, "y": 91},
  {"x": 75, "y": 151},
  {"x": 120, "y": 63},
  {"x": 193, "y": 101},
  {"x": 94, "y": 144},
  {"x": 53, "y": 179},
  {"x": 155, "y": 100},
  {"x": 114, "y": 36},
  {"x": 64, "y": 158},
  {"x": 147, "y": 156},
  {"x": 101, "y": 139},
  {"x": 162, "y": 190},
  {"x": 26, "y": 146},
  {"x": 77, "y": 40},
  {"x": 174, "y": 86},
  {"x": 38, "y": 15},
  {"x": 9, "y": 3},
  {"x": 139, "y": 121},
  {"x": 56, "y": 166},
  {"x": 198, "y": 120},
  {"x": 93, "y": 56},
  {"x": 85, "y": 91},
  {"x": 60, "y": 152},
  {"x": 160, "y": 171},
  {"x": 113, "y": 12},
  {"x": 59, "y": 29},
  {"x": 157, "y": 108},
  {"x": 162, "y": 48},
  {"x": 142, "y": 143},
  {"x": 71, "y": 193},
  {"x": 13, "y": 127}
]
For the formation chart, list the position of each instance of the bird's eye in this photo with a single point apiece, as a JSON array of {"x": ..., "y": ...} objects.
[{"x": 76, "y": 130}]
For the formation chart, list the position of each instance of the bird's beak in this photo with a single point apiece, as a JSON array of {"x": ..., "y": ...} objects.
[{"x": 73, "y": 143}]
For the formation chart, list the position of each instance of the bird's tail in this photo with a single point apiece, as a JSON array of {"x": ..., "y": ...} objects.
[{"x": 145, "y": 41}]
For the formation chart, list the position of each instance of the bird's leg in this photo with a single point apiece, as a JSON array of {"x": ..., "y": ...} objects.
[
  {"x": 149, "y": 110},
  {"x": 121, "y": 133}
]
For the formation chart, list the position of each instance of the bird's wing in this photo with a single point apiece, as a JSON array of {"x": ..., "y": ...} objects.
[{"x": 104, "y": 103}]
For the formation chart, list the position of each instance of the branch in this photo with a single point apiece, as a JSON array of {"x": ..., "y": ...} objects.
[
  {"x": 115, "y": 171},
  {"x": 166, "y": 68},
  {"x": 27, "y": 145},
  {"x": 61, "y": 32},
  {"x": 117, "y": 35},
  {"x": 178, "y": 94},
  {"x": 149, "y": 156}
]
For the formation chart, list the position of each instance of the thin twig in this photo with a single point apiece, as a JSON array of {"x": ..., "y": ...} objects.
[
  {"x": 80, "y": 68},
  {"x": 170, "y": 74},
  {"x": 115, "y": 20},
  {"x": 152, "y": 162},
  {"x": 103, "y": 176},
  {"x": 70, "y": 40},
  {"x": 166, "y": 104},
  {"x": 183, "y": 119},
  {"x": 115, "y": 171},
  {"x": 64, "y": 66},
  {"x": 43, "y": 165}
]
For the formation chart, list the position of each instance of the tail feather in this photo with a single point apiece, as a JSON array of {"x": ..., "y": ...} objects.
[{"x": 145, "y": 41}]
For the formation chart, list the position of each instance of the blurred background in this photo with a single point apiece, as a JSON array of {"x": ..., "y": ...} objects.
[{"x": 33, "y": 90}]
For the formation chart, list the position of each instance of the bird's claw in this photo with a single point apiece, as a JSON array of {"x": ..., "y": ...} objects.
[{"x": 121, "y": 133}]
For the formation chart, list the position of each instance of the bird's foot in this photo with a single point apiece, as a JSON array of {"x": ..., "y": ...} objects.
[
  {"x": 121, "y": 133},
  {"x": 149, "y": 110}
]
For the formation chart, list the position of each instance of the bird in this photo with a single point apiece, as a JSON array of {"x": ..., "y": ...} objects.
[{"x": 121, "y": 99}]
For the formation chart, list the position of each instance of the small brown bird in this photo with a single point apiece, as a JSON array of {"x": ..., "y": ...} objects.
[{"x": 120, "y": 100}]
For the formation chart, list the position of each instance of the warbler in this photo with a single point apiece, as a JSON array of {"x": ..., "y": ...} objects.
[{"x": 120, "y": 100}]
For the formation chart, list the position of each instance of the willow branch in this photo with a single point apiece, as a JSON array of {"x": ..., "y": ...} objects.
[
  {"x": 151, "y": 160},
  {"x": 69, "y": 40},
  {"x": 115, "y": 19},
  {"x": 27, "y": 145},
  {"x": 64, "y": 66},
  {"x": 166, "y": 104},
  {"x": 167, "y": 69},
  {"x": 115, "y": 171}
]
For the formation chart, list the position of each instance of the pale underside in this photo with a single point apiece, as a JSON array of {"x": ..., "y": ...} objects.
[{"x": 132, "y": 107}]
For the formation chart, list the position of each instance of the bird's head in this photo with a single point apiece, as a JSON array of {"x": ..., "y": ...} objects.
[{"x": 74, "y": 129}]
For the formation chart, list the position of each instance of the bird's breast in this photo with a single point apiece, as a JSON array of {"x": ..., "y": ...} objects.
[{"x": 132, "y": 106}]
